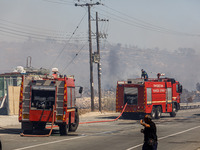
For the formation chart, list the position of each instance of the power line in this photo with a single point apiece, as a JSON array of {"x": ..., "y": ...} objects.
[
  {"x": 29, "y": 27},
  {"x": 68, "y": 40},
  {"x": 142, "y": 24},
  {"x": 17, "y": 29},
  {"x": 10, "y": 28},
  {"x": 29, "y": 33},
  {"x": 73, "y": 58},
  {"x": 60, "y": 2},
  {"x": 38, "y": 37}
]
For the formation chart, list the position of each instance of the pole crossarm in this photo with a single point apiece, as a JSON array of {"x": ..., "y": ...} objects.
[{"x": 88, "y": 4}]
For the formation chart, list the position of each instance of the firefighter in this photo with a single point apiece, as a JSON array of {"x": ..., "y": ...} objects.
[
  {"x": 145, "y": 75},
  {"x": 149, "y": 131},
  {"x": 158, "y": 75}
]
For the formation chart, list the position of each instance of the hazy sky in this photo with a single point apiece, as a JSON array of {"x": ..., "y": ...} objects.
[{"x": 167, "y": 24}]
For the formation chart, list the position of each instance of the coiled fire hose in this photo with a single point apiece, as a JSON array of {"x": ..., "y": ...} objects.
[{"x": 52, "y": 125}]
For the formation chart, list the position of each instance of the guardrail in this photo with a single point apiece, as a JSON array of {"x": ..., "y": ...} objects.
[{"x": 189, "y": 105}]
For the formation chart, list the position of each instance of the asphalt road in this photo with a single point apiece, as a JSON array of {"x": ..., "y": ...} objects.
[{"x": 179, "y": 133}]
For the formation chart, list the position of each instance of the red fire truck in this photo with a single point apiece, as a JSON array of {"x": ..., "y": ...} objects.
[
  {"x": 155, "y": 96},
  {"x": 40, "y": 94}
]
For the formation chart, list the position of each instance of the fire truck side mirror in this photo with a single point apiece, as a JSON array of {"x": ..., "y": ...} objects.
[
  {"x": 81, "y": 90},
  {"x": 180, "y": 89}
]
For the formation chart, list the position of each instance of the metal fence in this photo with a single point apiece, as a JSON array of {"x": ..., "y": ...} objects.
[{"x": 190, "y": 105}]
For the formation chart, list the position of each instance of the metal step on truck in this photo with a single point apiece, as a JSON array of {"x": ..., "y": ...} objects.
[{"x": 41, "y": 96}]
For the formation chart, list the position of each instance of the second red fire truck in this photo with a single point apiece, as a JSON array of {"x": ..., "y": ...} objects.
[{"x": 155, "y": 96}]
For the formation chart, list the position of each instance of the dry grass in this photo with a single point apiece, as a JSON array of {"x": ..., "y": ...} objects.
[
  {"x": 108, "y": 103},
  {"x": 83, "y": 111}
]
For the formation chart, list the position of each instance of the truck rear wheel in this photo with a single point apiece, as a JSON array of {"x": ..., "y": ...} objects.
[
  {"x": 153, "y": 113},
  {"x": 27, "y": 127},
  {"x": 74, "y": 126},
  {"x": 174, "y": 110},
  {"x": 63, "y": 128},
  {"x": 158, "y": 112}
]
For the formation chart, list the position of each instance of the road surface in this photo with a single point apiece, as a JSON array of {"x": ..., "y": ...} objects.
[{"x": 179, "y": 133}]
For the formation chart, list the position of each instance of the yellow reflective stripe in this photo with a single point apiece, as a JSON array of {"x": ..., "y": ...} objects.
[
  {"x": 158, "y": 101},
  {"x": 70, "y": 110}
]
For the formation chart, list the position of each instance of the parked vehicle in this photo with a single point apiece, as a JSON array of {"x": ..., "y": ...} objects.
[
  {"x": 40, "y": 94},
  {"x": 154, "y": 97}
]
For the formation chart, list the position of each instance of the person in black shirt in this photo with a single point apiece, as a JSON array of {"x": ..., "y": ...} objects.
[{"x": 150, "y": 136}]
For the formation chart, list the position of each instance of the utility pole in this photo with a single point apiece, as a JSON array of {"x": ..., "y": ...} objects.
[
  {"x": 98, "y": 58},
  {"x": 89, "y": 5},
  {"x": 99, "y": 64}
]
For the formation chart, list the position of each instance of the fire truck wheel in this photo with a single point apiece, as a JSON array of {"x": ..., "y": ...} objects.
[
  {"x": 158, "y": 112},
  {"x": 27, "y": 127},
  {"x": 63, "y": 129},
  {"x": 74, "y": 126},
  {"x": 153, "y": 113},
  {"x": 173, "y": 113}
]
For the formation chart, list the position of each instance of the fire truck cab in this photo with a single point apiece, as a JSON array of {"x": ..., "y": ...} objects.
[
  {"x": 154, "y": 97},
  {"x": 39, "y": 95}
]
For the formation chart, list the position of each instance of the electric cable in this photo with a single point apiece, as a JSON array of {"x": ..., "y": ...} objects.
[
  {"x": 68, "y": 40},
  {"x": 29, "y": 27},
  {"x": 28, "y": 33},
  {"x": 60, "y": 2},
  {"x": 73, "y": 58},
  {"x": 142, "y": 24}
]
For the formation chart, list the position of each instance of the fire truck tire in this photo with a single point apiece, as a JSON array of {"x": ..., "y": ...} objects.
[
  {"x": 74, "y": 126},
  {"x": 63, "y": 128},
  {"x": 158, "y": 112},
  {"x": 153, "y": 113},
  {"x": 174, "y": 110},
  {"x": 27, "y": 127}
]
